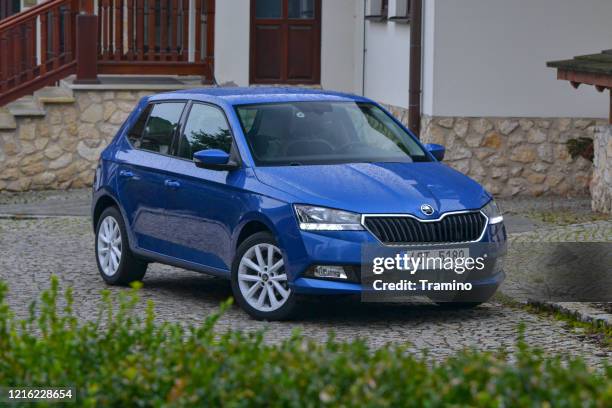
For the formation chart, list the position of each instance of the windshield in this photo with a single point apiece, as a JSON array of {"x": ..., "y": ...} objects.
[{"x": 303, "y": 133}]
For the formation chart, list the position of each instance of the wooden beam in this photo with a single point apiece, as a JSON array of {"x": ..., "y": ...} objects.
[{"x": 585, "y": 78}]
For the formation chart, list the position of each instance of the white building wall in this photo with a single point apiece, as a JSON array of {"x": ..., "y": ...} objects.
[
  {"x": 232, "y": 33},
  {"x": 341, "y": 43},
  {"x": 489, "y": 56},
  {"x": 429, "y": 35},
  {"x": 387, "y": 61}
]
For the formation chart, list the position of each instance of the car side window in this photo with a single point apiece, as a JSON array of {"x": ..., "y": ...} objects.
[
  {"x": 206, "y": 128},
  {"x": 161, "y": 126},
  {"x": 135, "y": 132}
]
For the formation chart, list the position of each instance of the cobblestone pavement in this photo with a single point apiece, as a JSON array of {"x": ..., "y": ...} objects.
[{"x": 32, "y": 250}]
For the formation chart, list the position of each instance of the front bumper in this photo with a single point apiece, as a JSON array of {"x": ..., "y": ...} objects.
[{"x": 346, "y": 248}]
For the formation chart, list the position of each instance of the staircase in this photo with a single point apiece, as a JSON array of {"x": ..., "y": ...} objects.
[
  {"x": 72, "y": 71},
  {"x": 52, "y": 139},
  {"x": 34, "y": 105}
]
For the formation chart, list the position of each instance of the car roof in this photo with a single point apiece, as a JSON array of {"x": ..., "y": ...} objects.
[{"x": 244, "y": 96}]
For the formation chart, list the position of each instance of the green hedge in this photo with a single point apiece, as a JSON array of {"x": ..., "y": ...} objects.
[{"x": 121, "y": 360}]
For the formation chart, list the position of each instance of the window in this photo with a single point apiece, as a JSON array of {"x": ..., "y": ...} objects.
[
  {"x": 206, "y": 128},
  {"x": 377, "y": 10},
  {"x": 301, "y": 9},
  {"x": 306, "y": 133},
  {"x": 269, "y": 8},
  {"x": 400, "y": 13},
  {"x": 136, "y": 131},
  {"x": 160, "y": 128}
]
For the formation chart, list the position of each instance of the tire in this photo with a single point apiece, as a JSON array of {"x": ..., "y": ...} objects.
[
  {"x": 116, "y": 263},
  {"x": 459, "y": 305},
  {"x": 259, "y": 285},
  {"x": 469, "y": 301}
]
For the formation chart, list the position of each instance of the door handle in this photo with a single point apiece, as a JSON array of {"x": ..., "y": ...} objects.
[
  {"x": 126, "y": 174},
  {"x": 172, "y": 184}
]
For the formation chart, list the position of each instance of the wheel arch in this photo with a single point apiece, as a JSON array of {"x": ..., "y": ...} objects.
[
  {"x": 250, "y": 228},
  {"x": 102, "y": 203}
]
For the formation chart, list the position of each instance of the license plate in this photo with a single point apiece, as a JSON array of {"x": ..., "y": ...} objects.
[{"x": 432, "y": 259}]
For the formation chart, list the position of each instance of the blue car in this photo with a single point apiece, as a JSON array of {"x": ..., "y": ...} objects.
[{"x": 277, "y": 190}]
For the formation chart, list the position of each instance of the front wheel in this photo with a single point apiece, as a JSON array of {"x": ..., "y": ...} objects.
[
  {"x": 116, "y": 263},
  {"x": 259, "y": 281}
]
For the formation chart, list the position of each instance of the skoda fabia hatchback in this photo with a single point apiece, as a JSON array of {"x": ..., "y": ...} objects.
[{"x": 277, "y": 190}]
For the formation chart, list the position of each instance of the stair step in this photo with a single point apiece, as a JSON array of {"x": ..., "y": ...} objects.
[
  {"x": 7, "y": 121},
  {"x": 54, "y": 94},
  {"x": 26, "y": 106}
]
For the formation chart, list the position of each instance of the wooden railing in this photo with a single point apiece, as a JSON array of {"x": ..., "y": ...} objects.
[
  {"x": 157, "y": 37},
  {"x": 36, "y": 48},
  {"x": 168, "y": 37}
]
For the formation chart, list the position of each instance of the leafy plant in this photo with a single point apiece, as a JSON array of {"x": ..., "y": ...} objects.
[
  {"x": 120, "y": 359},
  {"x": 581, "y": 147}
]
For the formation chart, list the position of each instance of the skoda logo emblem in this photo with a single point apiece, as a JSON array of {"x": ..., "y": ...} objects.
[{"x": 427, "y": 209}]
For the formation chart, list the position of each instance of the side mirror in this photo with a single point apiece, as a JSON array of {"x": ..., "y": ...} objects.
[
  {"x": 436, "y": 151},
  {"x": 214, "y": 159}
]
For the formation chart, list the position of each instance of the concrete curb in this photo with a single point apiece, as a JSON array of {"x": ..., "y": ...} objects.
[
  {"x": 36, "y": 217},
  {"x": 581, "y": 311}
]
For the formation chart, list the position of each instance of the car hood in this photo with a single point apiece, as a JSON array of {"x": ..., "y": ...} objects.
[{"x": 378, "y": 188}]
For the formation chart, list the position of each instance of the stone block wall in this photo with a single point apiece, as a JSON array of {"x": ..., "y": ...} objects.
[
  {"x": 510, "y": 156},
  {"x": 61, "y": 149},
  {"x": 601, "y": 188},
  {"x": 513, "y": 156}
]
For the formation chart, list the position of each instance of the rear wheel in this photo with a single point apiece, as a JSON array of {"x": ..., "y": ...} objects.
[
  {"x": 259, "y": 281},
  {"x": 116, "y": 263}
]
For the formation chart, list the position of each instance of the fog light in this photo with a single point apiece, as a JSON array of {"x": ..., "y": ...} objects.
[{"x": 329, "y": 272}]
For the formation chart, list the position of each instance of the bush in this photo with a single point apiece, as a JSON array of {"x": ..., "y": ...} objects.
[{"x": 122, "y": 360}]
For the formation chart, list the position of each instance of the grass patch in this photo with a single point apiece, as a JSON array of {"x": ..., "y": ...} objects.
[
  {"x": 120, "y": 359},
  {"x": 596, "y": 331},
  {"x": 566, "y": 217}
]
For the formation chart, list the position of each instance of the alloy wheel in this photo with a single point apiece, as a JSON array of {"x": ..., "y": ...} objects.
[
  {"x": 109, "y": 246},
  {"x": 262, "y": 279}
]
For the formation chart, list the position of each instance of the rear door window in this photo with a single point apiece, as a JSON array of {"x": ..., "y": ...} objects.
[
  {"x": 135, "y": 132},
  {"x": 160, "y": 127}
]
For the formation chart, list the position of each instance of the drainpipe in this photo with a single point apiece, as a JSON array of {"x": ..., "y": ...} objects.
[
  {"x": 363, "y": 54},
  {"x": 414, "y": 100}
]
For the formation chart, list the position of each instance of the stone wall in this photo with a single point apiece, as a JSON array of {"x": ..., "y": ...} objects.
[
  {"x": 60, "y": 150},
  {"x": 509, "y": 156},
  {"x": 601, "y": 187},
  {"x": 513, "y": 156}
]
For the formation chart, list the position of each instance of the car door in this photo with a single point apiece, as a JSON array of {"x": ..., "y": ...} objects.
[
  {"x": 141, "y": 175},
  {"x": 206, "y": 204}
]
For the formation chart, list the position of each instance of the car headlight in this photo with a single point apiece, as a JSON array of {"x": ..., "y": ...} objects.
[
  {"x": 493, "y": 212},
  {"x": 326, "y": 219}
]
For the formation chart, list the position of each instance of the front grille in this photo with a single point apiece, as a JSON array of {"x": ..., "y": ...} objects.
[{"x": 394, "y": 230}]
